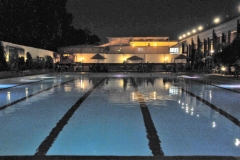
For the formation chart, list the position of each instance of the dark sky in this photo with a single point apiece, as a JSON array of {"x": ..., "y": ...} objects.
[{"x": 112, "y": 18}]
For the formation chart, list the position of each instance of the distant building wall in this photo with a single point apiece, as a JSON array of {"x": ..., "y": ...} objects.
[
  {"x": 223, "y": 33},
  {"x": 119, "y": 49},
  {"x": 21, "y": 51}
]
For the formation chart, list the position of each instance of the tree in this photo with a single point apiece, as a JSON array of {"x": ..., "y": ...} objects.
[
  {"x": 21, "y": 63},
  {"x": 198, "y": 57},
  {"x": 231, "y": 53},
  {"x": 3, "y": 63},
  {"x": 49, "y": 62},
  {"x": 40, "y": 24},
  {"x": 29, "y": 61}
]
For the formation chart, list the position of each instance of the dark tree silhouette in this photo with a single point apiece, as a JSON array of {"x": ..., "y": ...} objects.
[
  {"x": 41, "y": 24},
  {"x": 21, "y": 63},
  {"x": 49, "y": 62},
  {"x": 230, "y": 54},
  {"x": 29, "y": 61}
]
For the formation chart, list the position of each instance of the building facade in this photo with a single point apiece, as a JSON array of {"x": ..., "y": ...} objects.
[
  {"x": 120, "y": 49},
  {"x": 15, "y": 50},
  {"x": 210, "y": 40}
]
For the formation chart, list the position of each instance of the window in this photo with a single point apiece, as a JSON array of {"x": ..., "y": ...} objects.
[{"x": 173, "y": 50}]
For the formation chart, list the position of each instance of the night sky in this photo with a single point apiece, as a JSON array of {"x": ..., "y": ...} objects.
[{"x": 114, "y": 18}]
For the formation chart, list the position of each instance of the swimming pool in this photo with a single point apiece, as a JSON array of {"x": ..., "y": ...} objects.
[{"x": 118, "y": 114}]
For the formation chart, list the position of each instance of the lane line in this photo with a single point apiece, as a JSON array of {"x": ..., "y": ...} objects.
[
  {"x": 24, "y": 98},
  {"x": 154, "y": 141},
  {"x": 220, "y": 111},
  {"x": 49, "y": 140}
]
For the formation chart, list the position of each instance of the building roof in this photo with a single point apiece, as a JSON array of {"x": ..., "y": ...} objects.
[{"x": 127, "y": 40}]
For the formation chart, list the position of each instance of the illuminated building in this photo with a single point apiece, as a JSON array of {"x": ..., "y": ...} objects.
[
  {"x": 119, "y": 49},
  {"x": 208, "y": 39}
]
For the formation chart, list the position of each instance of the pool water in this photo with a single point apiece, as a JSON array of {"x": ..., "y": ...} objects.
[{"x": 118, "y": 115}]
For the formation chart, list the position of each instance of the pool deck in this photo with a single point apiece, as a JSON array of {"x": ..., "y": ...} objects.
[{"x": 213, "y": 78}]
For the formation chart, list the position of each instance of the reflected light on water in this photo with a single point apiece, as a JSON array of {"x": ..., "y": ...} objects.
[
  {"x": 214, "y": 124},
  {"x": 67, "y": 88},
  {"x": 173, "y": 90},
  {"x": 80, "y": 84},
  {"x": 26, "y": 91},
  {"x": 166, "y": 86},
  {"x": 134, "y": 96},
  {"x": 8, "y": 96},
  {"x": 154, "y": 95},
  {"x": 237, "y": 142},
  {"x": 210, "y": 95},
  {"x": 7, "y": 85},
  {"x": 29, "y": 80},
  {"x": 47, "y": 77},
  {"x": 184, "y": 76},
  {"x": 229, "y": 86}
]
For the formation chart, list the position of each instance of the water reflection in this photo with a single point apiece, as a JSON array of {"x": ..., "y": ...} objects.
[
  {"x": 26, "y": 91},
  {"x": 80, "y": 83},
  {"x": 237, "y": 142},
  {"x": 67, "y": 88},
  {"x": 8, "y": 96}
]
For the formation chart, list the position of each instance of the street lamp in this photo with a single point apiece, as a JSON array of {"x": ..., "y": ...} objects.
[
  {"x": 200, "y": 28},
  {"x": 216, "y": 20}
]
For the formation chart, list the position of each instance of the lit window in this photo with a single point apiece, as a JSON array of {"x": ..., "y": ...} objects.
[
  {"x": 173, "y": 50},
  {"x": 140, "y": 49}
]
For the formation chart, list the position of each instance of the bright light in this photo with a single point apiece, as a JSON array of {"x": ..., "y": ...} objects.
[
  {"x": 194, "y": 31},
  {"x": 155, "y": 44},
  {"x": 216, "y": 20},
  {"x": 133, "y": 45},
  {"x": 200, "y": 28},
  {"x": 180, "y": 37},
  {"x": 223, "y": 68},
  {"x": 237, "y": 142},
  {"x": 184, "y": 35},
  {"x": 188, "y": 33},
  {"x": 214, "y": 124}
]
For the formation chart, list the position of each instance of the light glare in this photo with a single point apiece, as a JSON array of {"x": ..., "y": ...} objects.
[{"x": 216, "y": 20}]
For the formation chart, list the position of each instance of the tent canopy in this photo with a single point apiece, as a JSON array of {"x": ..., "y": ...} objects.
[
  {"x": 134, "y": 58},
  {"x": 98, "y": 56}
]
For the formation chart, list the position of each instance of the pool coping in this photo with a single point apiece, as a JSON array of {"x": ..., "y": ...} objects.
[{"x": 123, "y": 157}]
